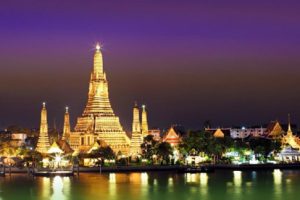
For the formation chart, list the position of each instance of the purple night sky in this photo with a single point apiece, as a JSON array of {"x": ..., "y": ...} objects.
[{"x": 232, "y": 62}]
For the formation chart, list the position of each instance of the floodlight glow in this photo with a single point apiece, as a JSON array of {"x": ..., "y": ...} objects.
[{"x": 98, "y": 47}]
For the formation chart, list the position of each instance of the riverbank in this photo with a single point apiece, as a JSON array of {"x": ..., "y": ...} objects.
[
  {"x": 120, "y": 169},
  {"x": 256, "y": 167}
]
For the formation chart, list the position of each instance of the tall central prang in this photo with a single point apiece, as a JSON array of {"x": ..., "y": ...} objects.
[{"x": 98, "y": 121}]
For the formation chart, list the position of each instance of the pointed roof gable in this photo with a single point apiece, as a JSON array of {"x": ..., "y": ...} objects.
[
  {"x": 219, "y": 133},
  {"x": 54, "y": 148},
  {"x": 172, "y": 137},
  {"x": 274, "y": 129},
  {"x": 171, "y": 133},
  {"x": 64, "y": 145},
  {"x": 97, "y": 145}
]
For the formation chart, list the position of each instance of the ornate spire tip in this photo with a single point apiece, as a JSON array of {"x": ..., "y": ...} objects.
[{"x": 98, "y": 47}]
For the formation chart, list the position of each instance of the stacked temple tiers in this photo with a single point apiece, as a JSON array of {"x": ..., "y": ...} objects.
[
  {"x": 144, "y": 130},
  {"x": 136, "y": 137},
  {"x": 43, "y": 141},
  {"x": 98, "y": 121},
  {"x": 67, "y": 126}
]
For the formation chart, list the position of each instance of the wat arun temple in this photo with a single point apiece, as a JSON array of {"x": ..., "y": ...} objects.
[{"x": 98, "y": 121}]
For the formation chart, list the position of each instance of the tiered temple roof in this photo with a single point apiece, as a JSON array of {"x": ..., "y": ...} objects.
[
  {"x": 98, "y": 121},
  {"x": 67, "y": 126},
  {"x": 172, "y": 137},
  {"x": 43, "y": 142},
  {"x": 290, "y": 139},
  {"x": 136, "y": 137}
]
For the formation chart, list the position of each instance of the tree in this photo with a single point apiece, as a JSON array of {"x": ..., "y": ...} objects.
[
  {"x": 240, "y": 146},
  {"x": 103, "y": 153},
  {"x": 7, "y": 150},
  {"x": 148, "y": 147},
  {"x": 196, "y": 140},
  {"x": 262, "y": 147},
  {"x": 203, "y": 141},
  {"x": 18, "y": 129},
  {"x": 164, "y": 150}
]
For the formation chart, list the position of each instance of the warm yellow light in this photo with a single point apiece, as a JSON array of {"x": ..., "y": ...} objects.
[
  {"x": 277, "y": 175},
  {"x": 203, "y": 179},
  {"x": 237, "y": 178},
  {"x": 98, "y": 47}
]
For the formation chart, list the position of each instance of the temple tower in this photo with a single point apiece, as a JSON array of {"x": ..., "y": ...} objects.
[
  {"x": 144, "y": 122},
  {"x": 136, "y": 137},
  {"x": 290, "y": 139},
  {"x": 98, "y": 121},
  {"x": 67, "y": 127},
  {"x": 43, "y": 141},
  {"x": 289, "y": 131},
  {"x": 136, "y": 124}
]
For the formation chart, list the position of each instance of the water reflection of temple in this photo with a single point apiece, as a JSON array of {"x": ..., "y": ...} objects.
[{"x": 54, "y": 188}]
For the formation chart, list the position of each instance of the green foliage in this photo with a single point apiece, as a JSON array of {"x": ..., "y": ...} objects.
[
  {"x": 164, "y": 150},
  {"x": 122, "y": 162},
  {"x": 103, "y": 152},
  {"x": 7, "y": 150},
  {"x": 240, "y": 146},
  {"x": 148, "y": 147},
  {"x": 202, "y": 141},
  {"x": 263, "y": 146}
]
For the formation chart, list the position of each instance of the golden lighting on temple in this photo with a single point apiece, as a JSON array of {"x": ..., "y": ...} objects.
[
  {"x": 98, "y": 121},
  {"x": 43, "y": 142}
]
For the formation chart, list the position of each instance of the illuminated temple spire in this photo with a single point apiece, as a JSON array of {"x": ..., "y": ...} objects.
[
  {"x": 289, "y": 131},
  {"x": 289, "y": 138},
  {"x": 98, "y": 101},
  {"x": 43, "y": 141},
  {"x": 67, "y": 128},
  {"x": 98, "y": 121},
  {"x": 136, "y": 137},
  {"x": 136, "y": 125},
  {"x": 98, "y": 61},
  {"x": 144, "y": 122}
]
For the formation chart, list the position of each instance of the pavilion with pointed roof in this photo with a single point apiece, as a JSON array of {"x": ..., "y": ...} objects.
[
  {"x": 219, "y": 133},
  {"x": 274, "y": 129},
  {"x": 172, "y": 137},
  {"x": 54, "y": 149}
]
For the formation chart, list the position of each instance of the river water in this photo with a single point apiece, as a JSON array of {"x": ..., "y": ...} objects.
[{"x": 221, "y": 185}]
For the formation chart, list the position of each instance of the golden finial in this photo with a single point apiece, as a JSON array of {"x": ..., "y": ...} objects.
[{"x": 98, "y": 47}]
